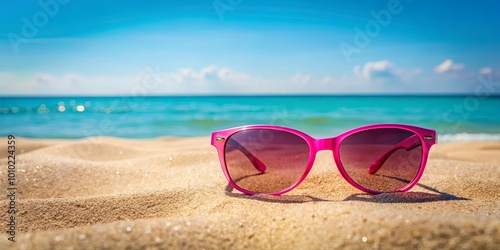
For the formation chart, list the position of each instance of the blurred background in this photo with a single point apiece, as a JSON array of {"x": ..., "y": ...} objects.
[{"x": 144, "y": 69}]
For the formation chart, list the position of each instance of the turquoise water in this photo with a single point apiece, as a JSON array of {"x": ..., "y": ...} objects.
[{"x": 456, "y": 118}]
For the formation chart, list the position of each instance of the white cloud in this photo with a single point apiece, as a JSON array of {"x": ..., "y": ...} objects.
[
  {"x": 228, "y": 75},
  {"x": 205, "y": 73},
  {"x": 50, "y": 84},
  {"x": 210, "y": 73},
  {"x": 327, "y": 80},
  {"x": 210, "y": 79},
  {"x": 373, "y": 77},
  {"x": 378, "y": 69},
  {"x": 301, "y": 79},
  {"x": 42, "y": 79},
  {"x": 153, "y": 81},
  {"x": 385, "y": 76},
  {"x": 10, "y": 83},
  {"x": 448, "y": 66},
  {"x": 485, "y": 71},
  {"x": 72, "y": 81}
]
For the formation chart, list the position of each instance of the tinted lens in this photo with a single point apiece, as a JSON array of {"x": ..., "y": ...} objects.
[
  {"x": 382, "y": 160},
  {"x": 266, "y": 161}
]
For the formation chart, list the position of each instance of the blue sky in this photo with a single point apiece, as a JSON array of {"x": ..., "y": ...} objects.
[{"x": 75, "y": 47}]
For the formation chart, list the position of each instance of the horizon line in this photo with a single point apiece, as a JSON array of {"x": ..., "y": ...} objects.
[{"x": 260, "y": 95}]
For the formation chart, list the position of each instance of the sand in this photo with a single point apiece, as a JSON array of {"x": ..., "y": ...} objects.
[{"x": 170, "y": 193}]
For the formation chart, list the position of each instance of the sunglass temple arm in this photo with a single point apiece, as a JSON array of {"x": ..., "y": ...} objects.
[
  {"x": 408, "y": 144},
  {"x": 258, "y": 164}
]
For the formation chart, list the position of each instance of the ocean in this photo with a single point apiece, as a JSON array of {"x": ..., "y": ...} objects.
[{"x": 456, "y": 118}]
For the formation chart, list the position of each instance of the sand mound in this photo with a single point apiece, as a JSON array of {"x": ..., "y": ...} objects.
[{"x": 171, "y": 193}]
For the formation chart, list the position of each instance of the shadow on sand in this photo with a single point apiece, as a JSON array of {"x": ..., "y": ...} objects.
[{"x": 399, "y": 197}]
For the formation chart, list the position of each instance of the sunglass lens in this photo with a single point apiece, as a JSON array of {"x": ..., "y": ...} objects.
[
  {"x": 265, "y": 160},
  {"x": 382, "y": 160}
]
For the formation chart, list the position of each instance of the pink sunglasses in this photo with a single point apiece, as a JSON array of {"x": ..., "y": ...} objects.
[{"x": 265, "y": 159}]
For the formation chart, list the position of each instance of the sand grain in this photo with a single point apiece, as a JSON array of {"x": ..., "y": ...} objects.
[{"x": 169, "y": 193}]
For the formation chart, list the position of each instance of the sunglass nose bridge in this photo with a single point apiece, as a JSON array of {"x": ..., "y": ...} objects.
[{"x": 325, "y": 144}]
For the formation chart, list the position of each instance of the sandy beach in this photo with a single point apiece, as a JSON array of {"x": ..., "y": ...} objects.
[{"x": 170, "y": 193}]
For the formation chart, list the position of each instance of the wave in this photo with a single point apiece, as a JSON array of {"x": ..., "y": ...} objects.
[{"x": 467, "y": 137}]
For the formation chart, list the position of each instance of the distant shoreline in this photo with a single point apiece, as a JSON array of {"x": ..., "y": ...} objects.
[
  {"x": 459, "y": 118},
  {"x": 423, "y": 95}
]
